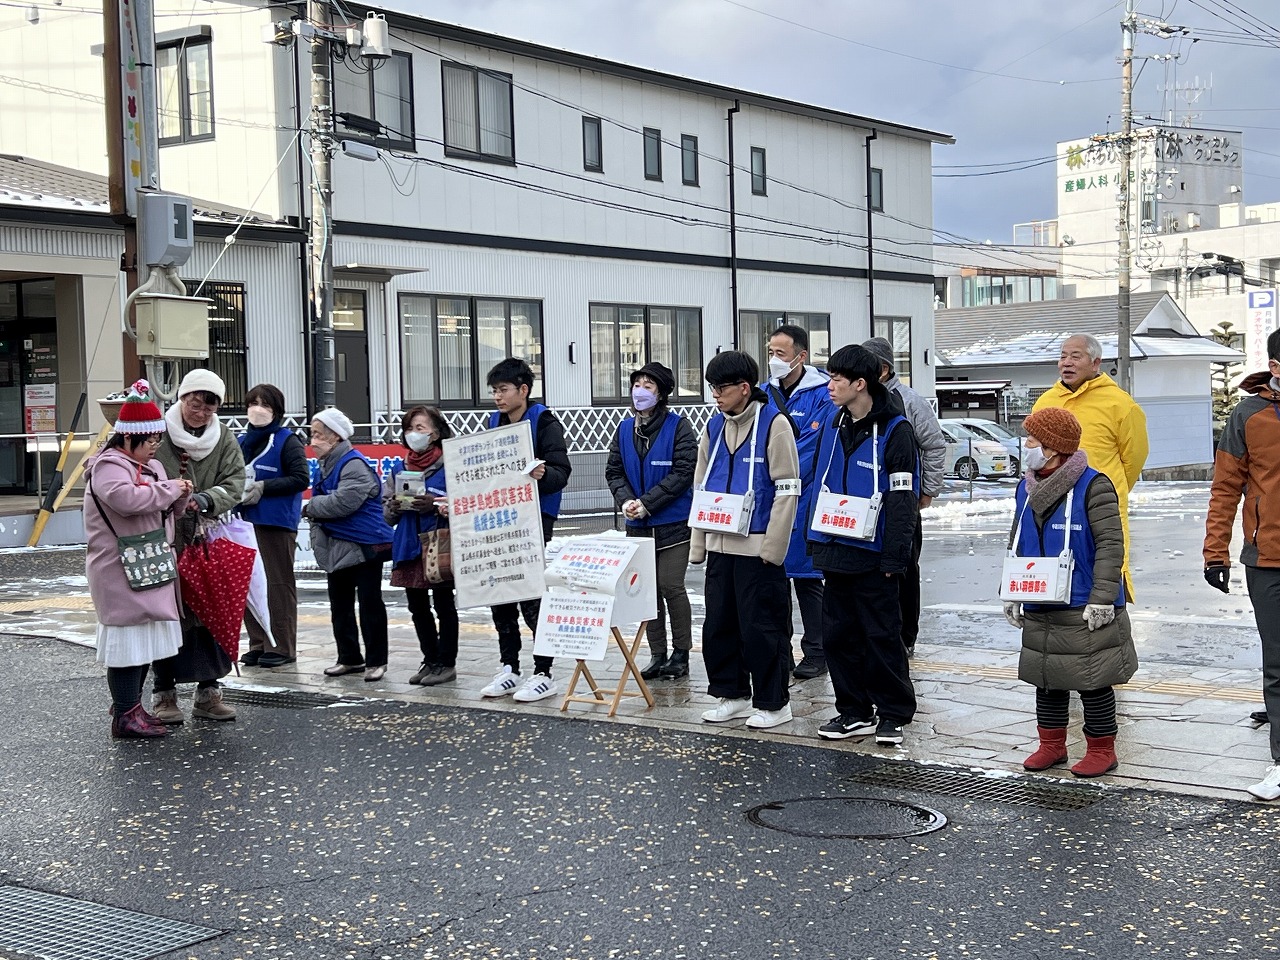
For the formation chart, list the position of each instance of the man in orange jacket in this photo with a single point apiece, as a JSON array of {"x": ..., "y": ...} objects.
[{"x": 1247, "y": 465}]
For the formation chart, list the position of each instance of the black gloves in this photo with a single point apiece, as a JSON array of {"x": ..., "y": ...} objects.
[
  {"x": 1218, "y": 576},
  {"x": 204, "y": 502}
]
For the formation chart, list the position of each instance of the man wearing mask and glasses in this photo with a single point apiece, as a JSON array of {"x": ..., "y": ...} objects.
[{"x": 800, "y": 391}]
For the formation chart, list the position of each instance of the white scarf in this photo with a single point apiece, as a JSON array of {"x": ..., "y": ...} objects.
[{"x": 199, "y": 447}]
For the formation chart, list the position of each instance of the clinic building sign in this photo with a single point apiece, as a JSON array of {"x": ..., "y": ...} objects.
[{"x": 495, "y": 517}]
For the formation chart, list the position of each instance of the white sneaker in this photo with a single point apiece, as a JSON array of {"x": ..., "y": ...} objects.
[
  {"x": 537, "y": 687},
  {"x": 729, "y": 710},
  {"x": 1269, "y": 787},
  {"x": 503, "y": 685},
  {"x": 764, "y": 719}
]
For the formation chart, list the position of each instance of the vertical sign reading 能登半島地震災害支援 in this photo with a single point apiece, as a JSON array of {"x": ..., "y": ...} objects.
[{"x": 495, "y": 518}]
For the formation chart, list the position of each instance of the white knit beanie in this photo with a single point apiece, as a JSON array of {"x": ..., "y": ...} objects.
[
  {"x": 203, "y": 380},
  {"x": 337, "y": 421}
]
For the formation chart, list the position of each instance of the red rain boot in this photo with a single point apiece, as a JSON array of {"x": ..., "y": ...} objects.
[
  {"x": 1053, "y": 750},
  {"x": 134, "y": 724},
  {"x": 1099, "y": 758}
]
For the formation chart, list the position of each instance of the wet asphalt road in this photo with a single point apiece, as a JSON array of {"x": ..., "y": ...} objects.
[{"x": 392, "y": 830}]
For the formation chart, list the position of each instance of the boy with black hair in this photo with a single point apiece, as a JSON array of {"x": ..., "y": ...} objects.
[
  {"x": 510, "y": 382},
  {"x": 866, "y": 457},
  {"x": 748, "y": 451}
]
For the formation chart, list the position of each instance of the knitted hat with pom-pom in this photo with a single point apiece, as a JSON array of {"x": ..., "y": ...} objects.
[{"x": 140, "y": 414}]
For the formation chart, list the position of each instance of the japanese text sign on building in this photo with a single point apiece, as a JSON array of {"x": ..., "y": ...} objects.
[
  {"x": 495, "y": 517},
  {"x": 1260, "y": 320}
]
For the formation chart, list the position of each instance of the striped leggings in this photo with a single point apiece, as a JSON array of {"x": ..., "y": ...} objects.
[{"x": 1099, "y": 710}]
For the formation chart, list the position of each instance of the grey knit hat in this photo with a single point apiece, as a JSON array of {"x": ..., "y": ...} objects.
[{"x": 881, "y": 349}]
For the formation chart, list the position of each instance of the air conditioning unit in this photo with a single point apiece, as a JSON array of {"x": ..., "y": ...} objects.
[{"x": 1193, "y": 220}]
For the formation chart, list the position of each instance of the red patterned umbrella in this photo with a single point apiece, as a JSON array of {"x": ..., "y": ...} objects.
[{"x": 215, "y": 578}]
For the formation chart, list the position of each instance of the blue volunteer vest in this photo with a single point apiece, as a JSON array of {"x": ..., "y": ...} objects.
[
  {"x": 854, "y": 475},
  {"x": 284, "y": 511},
  {"x": 366, "y": 525},
  {"x": 405, "y": 545},
  {"x": 550, "y": 503},
  {"x": 644, "y": 475},
  {"x": 729, "y": 472},
  {"x": 1035, "y": 543}
]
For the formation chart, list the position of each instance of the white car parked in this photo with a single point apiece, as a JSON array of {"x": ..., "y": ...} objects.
[
  {"x": 970, "y": 456},
  {"x": 990, "y": 430}
]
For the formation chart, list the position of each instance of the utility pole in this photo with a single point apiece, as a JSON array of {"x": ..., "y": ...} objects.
[
  {"x": 318, "y": 13},
  {"x": 1123, "y": 324}
]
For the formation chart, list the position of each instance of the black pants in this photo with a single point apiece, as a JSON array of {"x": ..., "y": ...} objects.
[
  {"x": 362, "y": 582},
  {"x": 746, "y": 635},
  {"x": 909, "y": 590},
  {"x": 809, "y": 597},
  {"x": 439, "y": 645},
  {"x": 1264, "y": 590},
  {"x": 506, "y": 620},
  {"x": 862, "y": 629}
]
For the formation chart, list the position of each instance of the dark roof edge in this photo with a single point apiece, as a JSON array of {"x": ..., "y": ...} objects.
[
  {"x": 100, "y": 220},
  {"x": 537, "y": 51}
]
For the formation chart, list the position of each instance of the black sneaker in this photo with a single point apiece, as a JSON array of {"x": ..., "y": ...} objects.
[
  {"x": 844, "y": 727},
  {"x": 269, "y": 660},
  {"x": 251, "y": 658},
  {"x": 809, "y": 668},
  {"x": 1259, "y": 717},
  {"x": 889, "y": 733}
]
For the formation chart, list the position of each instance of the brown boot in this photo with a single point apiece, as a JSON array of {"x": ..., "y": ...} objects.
[
  {"x": 1099, "y": 758},
  {"x": 164, "y": 707},
  {"x": 1053, "y": 750},
  {"x": 209, "y": 705}
]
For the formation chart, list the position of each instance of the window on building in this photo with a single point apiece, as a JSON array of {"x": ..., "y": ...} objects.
[
  {"x": 984, "y": 290},
  {"x": 478, "y": 110},
  {"x": 592, "y": 147},
  {"x": 383, "y": 95},
  {"x": 897, "y": 330},
  {"x": 228, "y": 345},
  {"x": 1269, "y": 271},
  {"x": 449, "y": 344},
  {"x": 759, "y": 183},
  {"x": 624, "y": 337},
  {"x": 689, "y": 160},
  {"x": 184, "y": 88},
  {"x": 877, "y": 189},
  {"x": 755, "y": 327},
  {"x": 652, "y": 154}
]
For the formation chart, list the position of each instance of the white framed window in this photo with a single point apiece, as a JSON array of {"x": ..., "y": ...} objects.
[
  {"x": 448, "y": 344},
  {"x": 383, "y": 95},
  {"x": 624, "y": 337},
  {"x": 478, "y": 113},
  {"x": 184, "y": 88}
]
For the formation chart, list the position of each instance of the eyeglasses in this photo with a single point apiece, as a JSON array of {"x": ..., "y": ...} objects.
[
  {"x": 192, "y": 402},
  {"x": 503, "y": 390},
  {"x": 153, "y": 440},
  {"x": 719, "y": 388}
]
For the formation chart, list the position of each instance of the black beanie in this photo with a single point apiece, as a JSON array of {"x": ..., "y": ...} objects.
[{"x": 659, "y": 374}]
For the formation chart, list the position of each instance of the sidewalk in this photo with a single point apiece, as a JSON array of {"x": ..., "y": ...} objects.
[{"x": 1182, "y": 729}]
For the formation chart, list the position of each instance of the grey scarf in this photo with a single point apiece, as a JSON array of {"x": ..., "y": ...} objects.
[{"x": 1044, "y": 494}]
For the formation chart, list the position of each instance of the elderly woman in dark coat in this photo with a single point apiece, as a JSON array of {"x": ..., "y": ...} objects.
[{"x": 1085, "y": 644}]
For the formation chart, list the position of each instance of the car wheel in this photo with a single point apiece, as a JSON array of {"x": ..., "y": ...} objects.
[
  {"x": 1015, "y": 467},
  {"x": 967, "y": 468}
]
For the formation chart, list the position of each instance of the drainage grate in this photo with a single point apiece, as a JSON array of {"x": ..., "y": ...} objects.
[
  {"x": 284, "y": 699},
  {"x": 847, "y": 818},
  {"x": 1016, "y": 791},
  {"x": 60, "y": 928}
]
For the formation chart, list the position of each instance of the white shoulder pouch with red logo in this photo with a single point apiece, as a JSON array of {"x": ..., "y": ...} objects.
[
  {"x": 1038, "y": 579},
  {"x": 727, "y": 513},
  {"x": 844, "y": 515}
]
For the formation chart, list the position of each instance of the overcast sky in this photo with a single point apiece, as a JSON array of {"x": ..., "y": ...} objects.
[{"x": 1008, "y": 78}]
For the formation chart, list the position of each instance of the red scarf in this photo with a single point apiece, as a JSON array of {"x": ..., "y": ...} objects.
[{"x": 420, "y": 461}]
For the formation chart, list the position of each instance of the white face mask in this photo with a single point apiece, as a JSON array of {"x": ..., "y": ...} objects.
[
  {"x": 418, "y": 442},
  {"x": 1035, "y": 458},
  {"x": 260, "y": 416},
  {"x": 779, "y": 368}
]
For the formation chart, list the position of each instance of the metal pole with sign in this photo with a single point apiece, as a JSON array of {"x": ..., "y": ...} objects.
[{"x": 1260, "y": 321}]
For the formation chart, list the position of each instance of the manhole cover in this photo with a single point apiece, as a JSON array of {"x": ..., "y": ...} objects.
[
  {"x": 284, "y": 699},
  {"x": 61, "y": 928},
  {"x": 847, "y": 818}
]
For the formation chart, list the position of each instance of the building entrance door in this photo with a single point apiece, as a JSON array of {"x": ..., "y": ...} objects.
[
  {"x": 351, "y": 360},
  {"x": 28, "y": 378}
]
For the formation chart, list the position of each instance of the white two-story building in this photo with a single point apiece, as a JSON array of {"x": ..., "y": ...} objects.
[{"x": 525, "y": 201}]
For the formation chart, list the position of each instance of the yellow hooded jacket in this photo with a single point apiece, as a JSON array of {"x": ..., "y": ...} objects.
[{"x": 1113, "y": 436}]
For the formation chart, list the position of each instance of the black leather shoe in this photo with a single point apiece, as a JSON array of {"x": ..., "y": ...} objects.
[
  {"x": 656, "y": 663},
  {"x": 808, "y": 669},
  {"x": 677, "y": 666},
  {"x": 251, "y": 658},
  {"x": 269, "y": 660},
  {"x": 1259, "y": 717}
]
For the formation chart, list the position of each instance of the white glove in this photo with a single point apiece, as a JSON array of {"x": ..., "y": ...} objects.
[
  {"x": 1013, "y": 613},
  {"x": 1098, "y": 615},
  {"x": 252, "y": 493}
]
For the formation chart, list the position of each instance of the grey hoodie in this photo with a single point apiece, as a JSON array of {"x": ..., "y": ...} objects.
[{"x": 929, "y": 438}]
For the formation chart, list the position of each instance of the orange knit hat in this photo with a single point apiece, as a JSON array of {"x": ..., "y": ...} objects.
[{"x": 1056, "y": 428}]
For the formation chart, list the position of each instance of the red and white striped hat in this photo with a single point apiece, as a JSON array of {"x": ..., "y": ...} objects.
[{"x": 140, "y": 414}]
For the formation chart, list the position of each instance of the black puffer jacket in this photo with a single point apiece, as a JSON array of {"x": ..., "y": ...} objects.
[{"x": 684, "y": 460}]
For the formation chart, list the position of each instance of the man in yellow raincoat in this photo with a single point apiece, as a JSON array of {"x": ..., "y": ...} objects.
[{"x": 1114, "y": 427}]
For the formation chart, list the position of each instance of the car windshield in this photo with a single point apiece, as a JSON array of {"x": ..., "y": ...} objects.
[
  {"x": 961, "y": 432},
  {"x": 993, "y": 430}
]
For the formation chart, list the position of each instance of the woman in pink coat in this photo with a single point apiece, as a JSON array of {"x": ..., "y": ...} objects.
[{"x": 128, "y": 493}]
